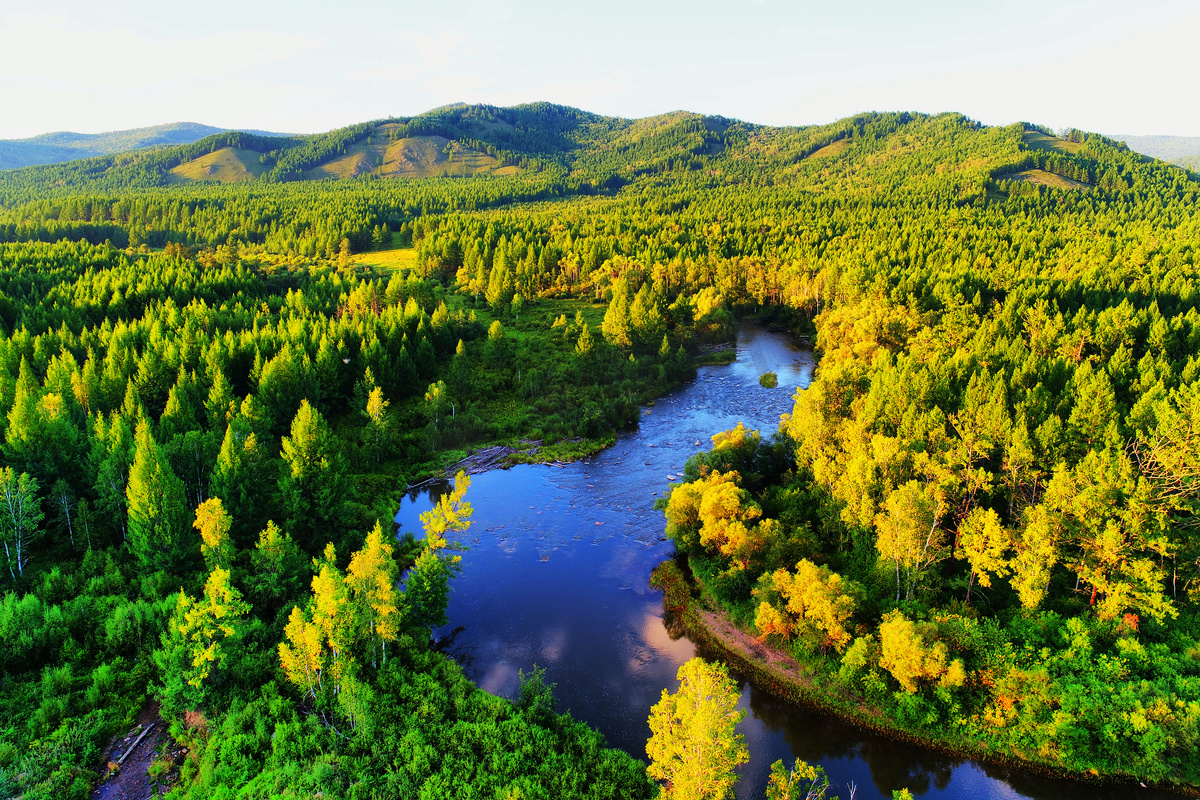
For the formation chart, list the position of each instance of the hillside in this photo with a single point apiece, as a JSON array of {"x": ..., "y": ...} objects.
[
  {"x": 1188, "y": 162},
  {"x": 53, "y": 148},
  {"x": 589, "y": 152},
  {"x": 994, "y": 470},
  {"x": 227, "y": 165}
]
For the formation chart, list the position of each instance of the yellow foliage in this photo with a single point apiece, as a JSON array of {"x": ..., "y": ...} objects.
[
  {"x": 214, "y": 523},
  {"x": 303, "y": 653},
  {"x": 812, "y": 596},
  {"x": 733, "y": 439},
  {"x": 720, "y": 510},
  {"x": 205, "y": 623},
  {"x": 451, "y": 513},
  {"x": 273, "y": 543},
  {"x": 770, "y": 621},
  {"x": 911, "y": 654},
  {"x": 371, "y": 578}
]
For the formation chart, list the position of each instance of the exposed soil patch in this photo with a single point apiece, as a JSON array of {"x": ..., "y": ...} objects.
[{"x": 133, "y": 754}]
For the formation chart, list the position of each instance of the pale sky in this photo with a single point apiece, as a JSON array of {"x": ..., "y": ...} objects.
[{"x": 312, "y": 65}]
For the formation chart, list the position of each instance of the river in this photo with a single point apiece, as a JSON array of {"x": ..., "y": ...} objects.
[{"x": 557, "y": 574}]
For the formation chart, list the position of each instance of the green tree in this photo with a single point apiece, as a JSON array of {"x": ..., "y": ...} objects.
[
  {"x": 157, "y": 508},
  {"x": 693, "y": 744},
  {"x": 802, "y": 782},
  {"x": 198, "y": 636},
  {"x": 311, "y": 487}
]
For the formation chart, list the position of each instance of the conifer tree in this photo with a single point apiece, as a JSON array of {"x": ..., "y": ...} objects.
[
  {"x": 310, "y": 488},
  {"x": 157, "y": 508}
]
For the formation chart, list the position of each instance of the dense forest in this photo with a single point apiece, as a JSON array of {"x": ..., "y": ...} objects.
[{"x": 980, "y": 516}]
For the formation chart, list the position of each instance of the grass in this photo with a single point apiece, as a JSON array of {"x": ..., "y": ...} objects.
[
  {"x": 717, "y": 358},
  {"x": 831, "y": 150},
  {"x": 768, "y": 380},
  {"x": 410, "y": 157},
  {"x": 227, "y": 165},
  {"x": 1036, "y": 140},
  {"x": 392, "y": 260},
  {"x": 1044, "y": 178}
]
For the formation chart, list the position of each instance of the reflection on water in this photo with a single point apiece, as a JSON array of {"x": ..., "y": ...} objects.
[{"x": 557, "y": 574}]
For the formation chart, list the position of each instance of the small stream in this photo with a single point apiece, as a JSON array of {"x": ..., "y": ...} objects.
[{"x": 557, "y": 574}]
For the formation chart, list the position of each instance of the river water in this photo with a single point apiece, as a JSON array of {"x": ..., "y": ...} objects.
[{"x": 557, "y": 573}]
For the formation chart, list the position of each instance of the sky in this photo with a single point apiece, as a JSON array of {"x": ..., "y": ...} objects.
[{"x": 306, "y": 66}]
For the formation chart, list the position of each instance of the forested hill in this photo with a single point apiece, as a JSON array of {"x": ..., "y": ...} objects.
[
  {"x": 584, "y": 151},
  {"x": 52, "y": 148},
  {"x": 221, "y": 363}
]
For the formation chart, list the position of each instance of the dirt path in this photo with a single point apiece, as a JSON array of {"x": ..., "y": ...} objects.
[{"x": 132, "y": 781}]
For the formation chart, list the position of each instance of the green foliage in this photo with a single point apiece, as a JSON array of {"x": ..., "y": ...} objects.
[
  {"x": 996, "y": 458},
  {"x": 158, "y": 534}
]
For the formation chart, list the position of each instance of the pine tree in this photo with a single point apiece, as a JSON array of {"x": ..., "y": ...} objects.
[
  {"x": 157, "y": 508},
  {"x": 311, "y": 486}
]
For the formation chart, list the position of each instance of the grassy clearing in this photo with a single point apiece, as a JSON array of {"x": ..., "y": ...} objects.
[
  {"x": 1036, "y": 140},
  {"x": 830, "y": 150},
  {"x": 393, "y": 260},
  {"x": 1044, "y": 178},
  {"x": 227, "y": 165},
  {"x": 410, "y": 157}
]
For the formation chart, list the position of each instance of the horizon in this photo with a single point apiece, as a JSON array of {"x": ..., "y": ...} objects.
[
  {"x": 258, "y": 129},
  {"x": 1096, "y": 66}
]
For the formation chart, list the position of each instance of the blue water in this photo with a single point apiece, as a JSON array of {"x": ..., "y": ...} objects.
[{"x": 557, "y": 574}]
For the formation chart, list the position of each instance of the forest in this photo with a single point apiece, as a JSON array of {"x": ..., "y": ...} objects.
[{"x": 979, "y": 518}]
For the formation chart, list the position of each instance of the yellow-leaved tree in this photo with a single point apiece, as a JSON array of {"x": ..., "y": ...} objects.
[
  {"x": 813, "y": 601},
  {"x": 371, "y": 579},
  {"x": 985, "y": 543},
  {"x": 196, "y": 639},
  {"x": 717, "y": 514},
  {"x": 912, "y": 654},
  {"x": 427, "y": 586},
  {"x": 910, "y": 534},
  {"x": 693, "y": 744},
  {"x": 214, "y": 524},
  {"x": 348, "y": 616},
  {"x": 302, "y": 653}
]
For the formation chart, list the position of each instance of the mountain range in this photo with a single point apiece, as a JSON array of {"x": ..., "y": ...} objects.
[{"x": 54, "y": 148}]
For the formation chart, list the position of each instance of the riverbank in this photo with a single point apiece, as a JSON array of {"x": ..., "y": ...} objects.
[
  {"x": 791, "y": 681},
  {"x": 503, "y": 456}
]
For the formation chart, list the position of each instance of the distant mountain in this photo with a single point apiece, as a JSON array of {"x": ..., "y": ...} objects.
[
  {"x": 567, "y": 150},
  {"x": 1181, "y": 150},
  {"x": 54, "y": 148},
  {"x": 1189, "y": 162}
]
